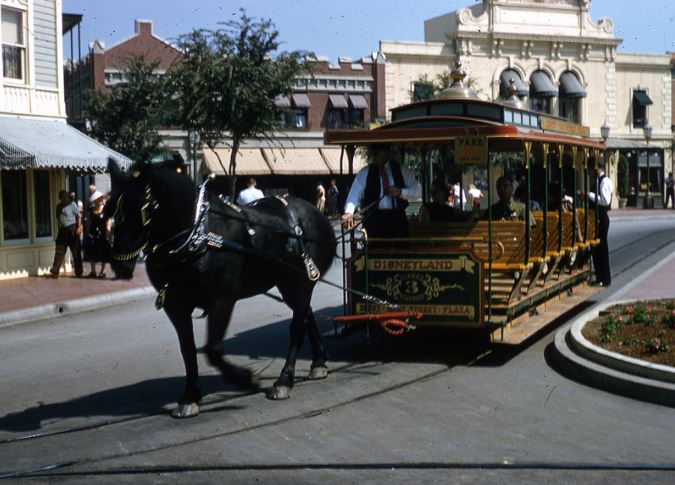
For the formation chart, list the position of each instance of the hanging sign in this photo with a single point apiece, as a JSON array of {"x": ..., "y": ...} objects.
[{"x": 471, "y": 150}]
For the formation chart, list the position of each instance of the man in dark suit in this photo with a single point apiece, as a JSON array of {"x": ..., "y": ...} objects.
[{"x": 383, "y": 189}]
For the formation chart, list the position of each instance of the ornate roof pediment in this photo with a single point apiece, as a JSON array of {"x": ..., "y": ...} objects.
[{"x": 540, "y": 18}]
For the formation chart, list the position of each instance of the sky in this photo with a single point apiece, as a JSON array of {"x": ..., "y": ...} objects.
[{"x": 345, "y": 28}]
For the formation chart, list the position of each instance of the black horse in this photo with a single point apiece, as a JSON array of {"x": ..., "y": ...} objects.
[{"x": 205, "y": 252}]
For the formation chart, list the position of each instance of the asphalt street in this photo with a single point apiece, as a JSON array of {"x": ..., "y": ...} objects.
[{"x": 85, "y": 399}]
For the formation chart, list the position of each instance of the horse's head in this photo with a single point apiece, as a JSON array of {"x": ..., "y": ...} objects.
[{"x": 128, "y": 206}]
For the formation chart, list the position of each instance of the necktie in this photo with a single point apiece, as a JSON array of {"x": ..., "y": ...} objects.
[
  {"x": 385, "y": 184},
  {"x": 385, "y": 179}
]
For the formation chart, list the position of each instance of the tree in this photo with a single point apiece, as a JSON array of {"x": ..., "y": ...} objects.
[
  {"x": 228, "y": 80},
  {"x": 425, "y": 88},
  {"x": 127, "y": 116}
]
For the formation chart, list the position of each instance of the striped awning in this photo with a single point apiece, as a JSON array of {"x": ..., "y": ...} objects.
[
  {"x": 541, "y": 85},
  {"x": 332, "y": 157},
  {"x": 358, "y": 101},
  {"x": 505, "y": 81},
  {"x": 338, "y": 101},
  {"x": 570, "y": 87},
  {"x": 250, "y": 161},
  {"x": 29, "y": 143},
  {"x": 296, "y": 161}
]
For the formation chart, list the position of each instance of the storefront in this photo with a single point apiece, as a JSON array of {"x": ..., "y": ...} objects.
[{"x": 36, "y": 159}]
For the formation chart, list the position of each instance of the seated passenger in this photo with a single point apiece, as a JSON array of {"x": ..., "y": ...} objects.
[
  {"x": 521, "y": 196},
  {"x": 438, "y": 209},
  {"x": 554, "y": 199},
  {"x": 508, "y": 209}
]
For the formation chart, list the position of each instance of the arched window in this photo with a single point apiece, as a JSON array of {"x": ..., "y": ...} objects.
[
  {"x": 569, "y": 99},
  {"x": 505, "y": 81},
  {"x": 541, "y": 92}
]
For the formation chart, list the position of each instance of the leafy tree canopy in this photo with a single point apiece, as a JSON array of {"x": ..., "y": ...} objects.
[
  {"x": 127, "y": 116},
  {"x": 228, "y": 80}
]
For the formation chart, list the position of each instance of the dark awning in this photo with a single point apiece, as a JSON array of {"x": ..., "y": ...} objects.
[
  {"x": 338, "y": 101},
  {"x": 541, "y": 86},
  {"x": 570, "y": 87},
  {"x": 641, "y": 98},
  {"x": 358, "y": 101},
  {"x": 505, "y": 80},
  {"x": 282, "y": 101},
  {"x": 301, "y": 101},
  {"x": 33, "y": 143}
]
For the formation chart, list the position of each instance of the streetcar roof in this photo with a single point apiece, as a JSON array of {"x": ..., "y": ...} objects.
[{"x": 444, "y": 119}]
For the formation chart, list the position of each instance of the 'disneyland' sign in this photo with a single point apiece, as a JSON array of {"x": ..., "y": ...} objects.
[
  {"x": 471, "y": 150},
  {"x": 446, "y": 288}
]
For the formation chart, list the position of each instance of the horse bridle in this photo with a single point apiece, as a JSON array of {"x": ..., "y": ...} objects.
[{"x": 146, "y": 218}]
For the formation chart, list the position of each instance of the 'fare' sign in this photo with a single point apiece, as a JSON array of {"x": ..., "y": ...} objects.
[{"x": 471, "y": 150}]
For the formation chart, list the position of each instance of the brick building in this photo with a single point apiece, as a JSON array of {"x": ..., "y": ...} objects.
[
  {"x": 105, "y": 66},
  {"x": 346, "y": 94},
  {"x": 338, "y": 95}
]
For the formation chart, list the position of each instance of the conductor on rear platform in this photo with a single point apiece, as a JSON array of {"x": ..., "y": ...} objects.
[
  {"x": 603, "y": 199},
  {"x": 383, "y": 189}
]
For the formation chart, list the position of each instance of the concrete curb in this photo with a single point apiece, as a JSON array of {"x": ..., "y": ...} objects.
[
  {"x": 582, "y": 347},
  {"x": 74, "y": 306},
  {"x": 609, "y": 371}
]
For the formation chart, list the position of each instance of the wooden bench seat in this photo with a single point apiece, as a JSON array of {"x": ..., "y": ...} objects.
[{"x": 508, "y": 240}]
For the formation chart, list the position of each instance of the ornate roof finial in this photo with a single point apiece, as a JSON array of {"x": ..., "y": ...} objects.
[
  {"x": 458, "y": 89},
  {"x": 513, "y": 100}
]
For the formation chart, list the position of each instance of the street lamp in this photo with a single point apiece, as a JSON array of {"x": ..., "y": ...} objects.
[
  {"x": 648, "y": 203},
  {"x": 604, "y": 132},
  {"x": 193, "y": 140}
]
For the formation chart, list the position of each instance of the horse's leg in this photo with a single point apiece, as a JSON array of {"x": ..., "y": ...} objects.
[
  {"x": 181, "y": 318},
  {"x": 220, "y": 312},
  {"x": 297, "y": 298},
  {"x": 318, "y": 370}
]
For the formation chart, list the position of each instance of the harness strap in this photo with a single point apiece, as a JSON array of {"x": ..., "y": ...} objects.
[{"x": 313, "y": 272}]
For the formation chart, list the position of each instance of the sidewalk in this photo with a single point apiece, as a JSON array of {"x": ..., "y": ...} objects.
[
  {"x": 36, "y": 297},
  {"x": 32, "y": 298}
]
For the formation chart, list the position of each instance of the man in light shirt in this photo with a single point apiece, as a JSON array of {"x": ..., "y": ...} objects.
[
  {"x": 250, "y": 193},
  {"x": 383, "y": 188},
  {"x": 603, "y": 199}
]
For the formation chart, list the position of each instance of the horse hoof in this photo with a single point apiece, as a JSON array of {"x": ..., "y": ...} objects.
[
  {"x": 279, "y": 393},
  {"x": 187, "y": 410},
  {"x": 318, "y": 372}
]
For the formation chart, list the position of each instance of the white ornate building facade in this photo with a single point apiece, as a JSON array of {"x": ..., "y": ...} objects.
[{"x": 563, "y": 63}]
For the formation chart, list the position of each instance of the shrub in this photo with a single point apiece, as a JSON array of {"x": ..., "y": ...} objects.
[
  {"x": 643, "y": 314},
  {"x": 609, "y": 328},
  {"x": 656, "y": 345}
]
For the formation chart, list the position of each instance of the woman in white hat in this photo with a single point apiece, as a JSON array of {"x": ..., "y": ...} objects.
[{"x": 97, "y": 239}]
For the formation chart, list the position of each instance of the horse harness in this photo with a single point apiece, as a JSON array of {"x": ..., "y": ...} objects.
[{"x": 192, "y": 243}]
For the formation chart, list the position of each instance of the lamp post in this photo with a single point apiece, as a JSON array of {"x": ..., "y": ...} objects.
[
  {"x": 648, "y": 202},
  {"x": 604, "y": 132},
  {"x": 193, "y": 140}
]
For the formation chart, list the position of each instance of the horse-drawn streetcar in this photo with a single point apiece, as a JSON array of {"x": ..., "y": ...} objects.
[{"x": 505, "y": 275}]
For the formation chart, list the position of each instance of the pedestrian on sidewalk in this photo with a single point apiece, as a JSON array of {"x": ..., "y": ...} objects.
[
  {"x": 250, "y": 193},
  {"x": 97, "y": 239},
  {"x": 332, "y": 195},
  {"x": 320, "y": 197},
  {"x": 68, "y": 236},
  {"x": 670, "y": 182}
]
